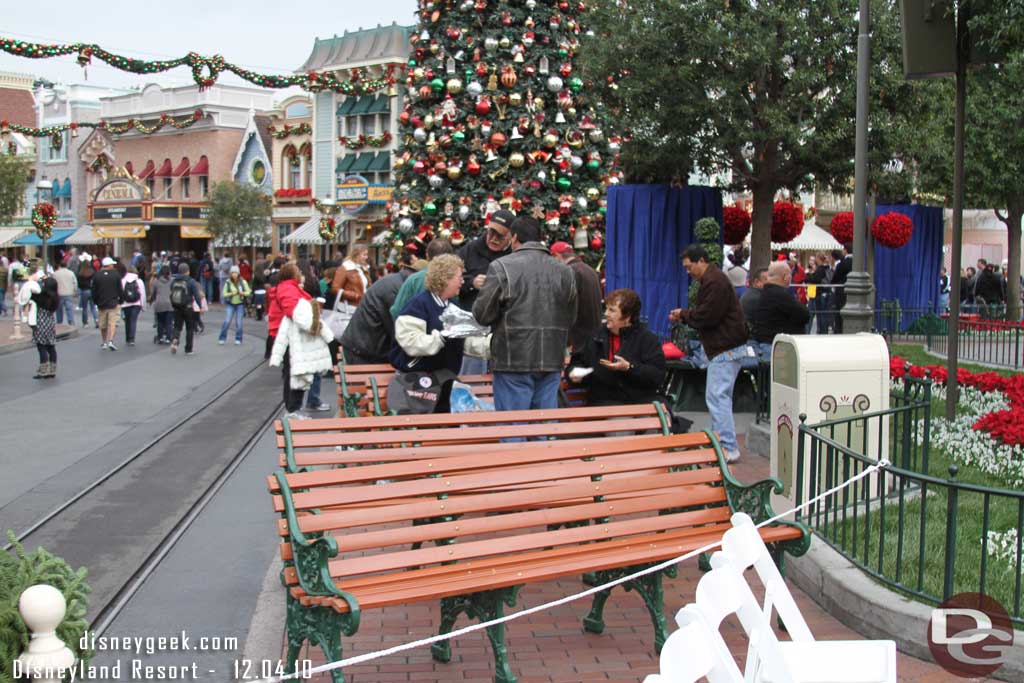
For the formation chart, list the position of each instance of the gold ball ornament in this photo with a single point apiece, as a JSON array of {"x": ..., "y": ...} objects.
[
  {"x": 550, "y": 140},
  {"x": 516, "y": 160},
  {"x": 454, "y": 172},
  {"x": 593, "y": 194},
  {"x": 455, "y": 86},
  {"x": 515, "y": 99}
]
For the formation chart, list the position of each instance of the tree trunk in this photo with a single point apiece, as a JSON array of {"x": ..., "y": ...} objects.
[
  {"x": 761, "y": 227},
  {"x": 1014, "y": 213}
]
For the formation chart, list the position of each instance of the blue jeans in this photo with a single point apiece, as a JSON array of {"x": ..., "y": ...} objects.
[
  {"x": 131, "y": 321},
  {"x": 943, "y": 302},
  {"x": 526, "y": 390},
  {"x": 66, "y": 304},
  {"x": 86, "y": 304},
  {"x": 721, "y": 379},
  {"x": 209, "y": 285},
  {"x": 473, "y": 366},
  {"x": 313, "y": 395},
  {"x": 232, "y": 311},
  {"x": 165, "y": 325}
]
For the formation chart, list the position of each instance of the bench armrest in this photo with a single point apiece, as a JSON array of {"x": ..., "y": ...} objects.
[{"x": 311, "y": 556}]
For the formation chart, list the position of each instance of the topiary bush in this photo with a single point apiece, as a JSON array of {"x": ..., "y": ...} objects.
[
  {"x": 22, "y": 570},
  {"x": 707, "y": 232}
]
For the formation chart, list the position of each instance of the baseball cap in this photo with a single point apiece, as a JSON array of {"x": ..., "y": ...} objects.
[
  {"x": 107, "y": 261},
  {"x": 502, "y": 217},
  {"x": 235, "y": 269},
  {"x": 560, "y": 248}
]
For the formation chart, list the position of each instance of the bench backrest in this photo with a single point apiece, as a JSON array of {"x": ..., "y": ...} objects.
[
  {"x": 309, "y": 443},
  {"x": 363, "y": 389}
]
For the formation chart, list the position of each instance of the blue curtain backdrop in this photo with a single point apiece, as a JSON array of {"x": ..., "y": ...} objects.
[
  {"x": 648, "y": 226},
  {"x": 910, "y": 274}
]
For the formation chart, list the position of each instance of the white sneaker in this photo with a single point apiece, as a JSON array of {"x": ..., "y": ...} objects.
[
  {"x": 220, "y": 342},
  {"x": 103, "y": 346},
  {"x": 732, "y": 456},
  {"x": 297, "y": 416},
  {"x": 238, "y": 342},
  {"x": 110, "y": 345}
]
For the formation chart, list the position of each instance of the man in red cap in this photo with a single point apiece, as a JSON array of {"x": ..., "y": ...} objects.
[{"x": 588, "y": 295}]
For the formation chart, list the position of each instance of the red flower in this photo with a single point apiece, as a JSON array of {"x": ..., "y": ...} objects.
[
  {"x": 787, "y": 222},
  {"x": 892, "y": 230},
  {"x": 842, "y": 227},
  {"x": 736, "y": 224}
]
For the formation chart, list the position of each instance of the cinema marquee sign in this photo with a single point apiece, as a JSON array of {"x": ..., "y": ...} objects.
[{"x": 117, "y": 191}]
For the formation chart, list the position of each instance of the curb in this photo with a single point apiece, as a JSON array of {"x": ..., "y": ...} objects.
[
  {"x": 265, "y": 640},
  {"x": 873, "y": 611},
  {"x": 13, "y": 347}
]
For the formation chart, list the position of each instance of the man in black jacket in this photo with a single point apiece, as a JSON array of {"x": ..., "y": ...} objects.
[
  {"x": 370, "y": 332},
  {"x": 108, "y": 295},
  {"x": 778, "y": 311},
  {"x": 843, "y": 265},
  {"x": 478, "y": 254}
]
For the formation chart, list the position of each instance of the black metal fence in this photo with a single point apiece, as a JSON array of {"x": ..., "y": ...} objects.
[
  {"x": 923, "y": 535},
  {"x": 992, "y": 342}
]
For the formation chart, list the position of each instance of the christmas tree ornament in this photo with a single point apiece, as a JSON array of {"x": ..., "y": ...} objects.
[
  {"x": 576, "y": 84},
  {"x": 490, "y": 43},
  {"x": 475, "y": 88},
  {"x": 593, "y": 194},
  {"x": 458, "y": 136},
  {"x": 554, "y": 84},
  {"x": 473, "y": 166},
  {"x": 596, "y": 243},
  {"x": 485, "y": 128},
  {"x": 581, "y": 203},
  {"x": 516, "y": 160},
  {"x": 406, "y": 226},
  {"x": 564, "y": 183},
  {"x": 483, "y": 106},
  {"x": 508, "y": 77},
  {"x": 581, "y": 239},
  {"x": 454, "y": 86},
  {"x": 529, "y": 71},
  {"x": 531, "y": 4},
  {"x": 544, "y": 66},
  {"x": 504, "y": 43},
  {"x": 498, "y": 139},
  {"x": 515, "y": 99},
  {"x": 419, "y": 135},
  {"x": 550, "y": 140},
  {"x": 429, "y": 208},
  {"x": 576, "y": 161},
  {"x": 435, "y": 181},
  {"x": 516, "y": 135},
  {"x": 595, "y": 135},
  {"x": 454, "y": 172}
]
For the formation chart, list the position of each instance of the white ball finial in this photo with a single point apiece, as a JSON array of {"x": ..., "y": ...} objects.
[{"x": 42, "y": 607}]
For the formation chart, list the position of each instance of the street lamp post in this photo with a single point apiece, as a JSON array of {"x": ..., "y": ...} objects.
[
  {"x": 44, "y": 194},
  {"x": 857, "y": 311}
]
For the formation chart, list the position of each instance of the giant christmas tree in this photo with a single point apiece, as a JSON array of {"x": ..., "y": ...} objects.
[{"x": 496, "y": 116}]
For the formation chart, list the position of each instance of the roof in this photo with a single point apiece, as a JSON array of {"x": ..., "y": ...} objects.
[
  {"x": 18, "y": 106},
  {"x": 165, "y": 169},
  {"x": 262, "y": 125},
  {"x": 309, "y": 233},
  {"x": 202, "y": 167},
  {"x": 148, "y": 170},
  {"x": 85, "y": 235},
  {"x": 8, "y": 235},
  {"x": 182, "y": 168},
  {"x": 32, "y": 239},
  {"x": 812, "y": 238},
  {"x": 384, "y": 43}
]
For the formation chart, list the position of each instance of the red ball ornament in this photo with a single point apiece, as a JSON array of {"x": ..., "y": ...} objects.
[
  {"x": 787, "y": 222},
  {"x": 530, "y": 70},
  {"x": 596, "y": 242},
  {"x": 403, "y": 118},
  {"x": 842, "y": 227},
  {"x": 736, "y": 224},
  {"x": 566, "y": 70},
  {"x": 498, "y": 139},
  {"x": 419, "y": 167},
  {"x": 483, "y": 107},
  {"x": 440, "y": 167},
  {"x": 892, "y": 230},
  {"x": 481, "y": 69},
  {"x": 473, "y": 167}
]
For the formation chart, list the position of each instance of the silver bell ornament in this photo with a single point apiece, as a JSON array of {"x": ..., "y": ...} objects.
[
  {"x": 490, "y": 44},
  {"x": 406, "y": 226},
  {"x": 475, "y": 88},
  {"x": 435, "y": 181},
  {"x": 555, "y": 84},
  {"x": 420, "y": 135},
  {"x": 464, "y": 213}
]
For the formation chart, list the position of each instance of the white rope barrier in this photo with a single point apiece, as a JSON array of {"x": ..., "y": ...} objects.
[{"x": 359, "y": 659}]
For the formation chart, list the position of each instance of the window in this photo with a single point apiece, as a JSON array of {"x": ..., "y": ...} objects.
[
  {"x": 54, "y": 154},
  {"x": 151, "y": 184},
  {"x": 184, "y": 187},
  {"x": 258, "y": 173},
  {"x": 168, "y": 188},
  {"x": 369, "y": 124},
  {"x": 283, "y": 230},
  {"x": 297, "y": 110},
  {"x": 204, "y": 183},
  {"x": 384, "y": 178},
  {"x": 295, "y": 173}
]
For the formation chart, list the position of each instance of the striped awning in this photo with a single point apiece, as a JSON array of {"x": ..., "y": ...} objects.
[
  {"x": 309, "y": 232},
  {"x": 8, "y": 235},
  {"x": 812, "y": 238},
  {"x": 250, "y": 241},
  {"x": 85, "y": 235}
]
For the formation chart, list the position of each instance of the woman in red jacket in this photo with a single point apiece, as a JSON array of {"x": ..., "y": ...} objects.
[{"x": 282, "y": 298}]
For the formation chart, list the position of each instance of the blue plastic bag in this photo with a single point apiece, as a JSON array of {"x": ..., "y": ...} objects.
[{"x": 463, "y": 401}]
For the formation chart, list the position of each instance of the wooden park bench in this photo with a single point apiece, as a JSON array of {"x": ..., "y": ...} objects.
[
  {"x": 469, "y": 530},
  {"x": 363, "y": 389},
  {"x": 353, "y": 440}
]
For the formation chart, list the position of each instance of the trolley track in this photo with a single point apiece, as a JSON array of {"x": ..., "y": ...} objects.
[{"x": 123, "y": 524}]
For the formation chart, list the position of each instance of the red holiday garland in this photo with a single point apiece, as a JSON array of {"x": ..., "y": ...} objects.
[
  {"x": 842, "y": 227},
  {"x": 892, "y": 230},
  {"x": 294, "y": 192},
  {"x": 735, "y": 224},
  {"x": 787, "y": 222}
]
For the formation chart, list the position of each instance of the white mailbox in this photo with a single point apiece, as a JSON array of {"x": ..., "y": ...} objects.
[{"x": 826, "y": 377}]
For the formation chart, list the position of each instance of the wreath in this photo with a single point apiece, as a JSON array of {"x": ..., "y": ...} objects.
[
  {"x": 328, "y": 229},
  {"x": 842, "y": 227},
  {"x": 892, "y": 230},
  {"x": 735, "y": 224},
  {"x": 44, "y": 216},
  {"x": 787, "y": 222}
]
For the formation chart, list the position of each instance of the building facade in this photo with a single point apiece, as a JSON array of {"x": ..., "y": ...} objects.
[
  {"x": 17, "y": 107},
  {"x": 291, "y": 156},
  {"x": 354, "y": 136},
  {"x": 151, "y": 191}
]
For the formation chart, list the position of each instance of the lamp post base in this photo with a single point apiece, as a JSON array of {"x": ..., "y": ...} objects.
[{"x": 858, "y": 313}]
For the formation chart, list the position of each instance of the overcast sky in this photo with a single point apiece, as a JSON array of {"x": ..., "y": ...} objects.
[{"x": 264, "y": 36}]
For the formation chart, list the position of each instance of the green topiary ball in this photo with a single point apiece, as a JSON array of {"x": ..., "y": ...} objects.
[
  {"x": 714, "y": 253},
  {"x": 707, "y": 230}
]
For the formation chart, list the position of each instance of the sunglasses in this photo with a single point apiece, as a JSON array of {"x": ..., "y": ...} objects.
[{"x": 497, "y": 236}]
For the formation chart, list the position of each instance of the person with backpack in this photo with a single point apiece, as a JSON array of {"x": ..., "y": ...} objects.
[
  {"x": 85, "y": 302},
  {"x": 160, "y": 298},
  {"x": 184, "y": 294},
  {"x": 108, "y": 295},
  {"x": 134, "y": 303},
  {"x": 234, "y": 293}
]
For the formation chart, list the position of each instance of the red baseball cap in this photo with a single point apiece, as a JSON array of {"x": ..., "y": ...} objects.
[{"x": 560, "y": 248}]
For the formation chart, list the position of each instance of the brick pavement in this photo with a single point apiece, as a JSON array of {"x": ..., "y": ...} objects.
[{"x": 552, "y": 647}]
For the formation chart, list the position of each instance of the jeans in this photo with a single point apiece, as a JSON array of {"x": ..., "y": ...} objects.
[
  {"x": 721, "y": 379},
  {"x": 186, "y": 317},
  {"x": 209, "y": 285},
  {"x": 943, "y": 302},
  {"x": 526, "y": 390},
  {"x": 313, "y": 397},
  {"x": 292, "y": 397},
  {"x": 164, "y": 325},
  {"x": 66, "y": 304},
  {"x": 131, "y": 322},
  {"x": 86, "y": 304},
  {"x": 232, "y": 311}
]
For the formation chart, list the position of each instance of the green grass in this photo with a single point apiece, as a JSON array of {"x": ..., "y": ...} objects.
[
  {"x": 916, "y": 355},
  {"x": 917, "y": 561}
]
